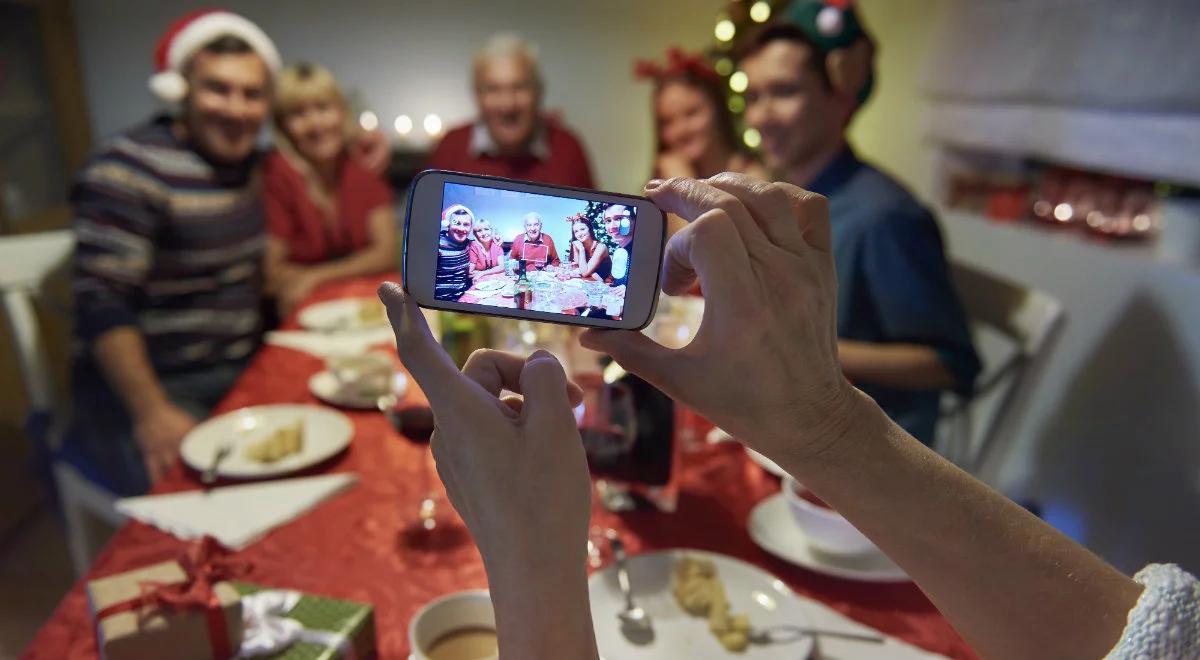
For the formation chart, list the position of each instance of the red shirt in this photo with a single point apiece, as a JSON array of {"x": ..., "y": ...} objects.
[
  {"x": 534, "y": 254},
  {"x": 484, "y": 258},
  {"x": 563, "y": 162},
  {"x": 295, "y": 218}
]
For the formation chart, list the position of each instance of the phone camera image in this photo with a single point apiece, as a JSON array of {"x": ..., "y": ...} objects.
[{"x": 527, "y": 251}]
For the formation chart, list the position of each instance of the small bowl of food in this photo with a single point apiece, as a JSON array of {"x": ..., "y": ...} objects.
[
  {"x": 457, "y": 626},
  {"x": 366, "y": 377},
  {"x": 826, "y": 529}
]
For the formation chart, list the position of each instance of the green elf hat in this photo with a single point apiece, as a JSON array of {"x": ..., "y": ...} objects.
[{"x": 830, "y": 25}]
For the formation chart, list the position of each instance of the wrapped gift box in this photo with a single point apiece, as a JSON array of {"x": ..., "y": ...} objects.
[
  {"x": 331, "y": 628},
  {"x": 136, "y": 628}
]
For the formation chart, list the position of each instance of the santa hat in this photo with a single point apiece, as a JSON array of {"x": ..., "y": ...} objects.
[{"x": 193, "y": 31}]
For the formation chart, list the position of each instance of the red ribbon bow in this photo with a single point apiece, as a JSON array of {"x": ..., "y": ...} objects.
[
  {"x": 205, "y": 563},
  {"x": 679, "y": 62}
]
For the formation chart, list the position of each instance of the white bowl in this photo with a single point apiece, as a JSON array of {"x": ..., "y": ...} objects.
[
  {"x": 826, "y": 529},
  {"x": 462, "y": 609}
]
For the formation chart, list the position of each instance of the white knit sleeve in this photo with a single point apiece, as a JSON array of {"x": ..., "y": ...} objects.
[{"x": 1165, "y": 623}]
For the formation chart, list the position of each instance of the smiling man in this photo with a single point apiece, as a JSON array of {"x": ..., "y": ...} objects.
[
  {"x": 167, "y": 273},
  {"x": 535, "y": 246},
  {"x": 903, "y": 336},
  {"x": 511, "y": 137}
]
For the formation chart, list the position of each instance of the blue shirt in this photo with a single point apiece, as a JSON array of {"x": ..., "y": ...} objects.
[{"x": 893, "y": 283}]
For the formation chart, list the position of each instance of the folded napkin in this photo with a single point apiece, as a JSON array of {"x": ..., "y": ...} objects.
[
  {"x": 332, "y": 344},
  {"x": 235, "y": 515}
]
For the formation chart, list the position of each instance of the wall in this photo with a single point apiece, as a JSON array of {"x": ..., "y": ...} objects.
[
  {"x": 414, "y": 58},
  {"x": 888, "y": 130}
]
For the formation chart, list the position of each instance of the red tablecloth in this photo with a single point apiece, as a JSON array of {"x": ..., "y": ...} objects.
[{"x": 349, "y": 547}]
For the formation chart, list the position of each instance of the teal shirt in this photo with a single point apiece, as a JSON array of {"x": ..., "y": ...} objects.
[{"x": 893, "y": 283}]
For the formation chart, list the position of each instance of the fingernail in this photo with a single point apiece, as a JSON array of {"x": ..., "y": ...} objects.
[
  {"x": 541, "y": 354},
  {"x": 653, "y": 184}
]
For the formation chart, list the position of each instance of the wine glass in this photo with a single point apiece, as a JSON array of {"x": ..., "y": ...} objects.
[
  {"x": 608, "y": 429},
  {"x": 415, "y": 423}
]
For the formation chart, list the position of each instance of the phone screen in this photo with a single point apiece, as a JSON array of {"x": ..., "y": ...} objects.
[{"x": 546, "y": 253}]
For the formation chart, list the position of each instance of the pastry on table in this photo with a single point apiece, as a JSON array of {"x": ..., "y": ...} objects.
[
  {"x": 279, "y": 444},
  {"x": 700, "y": 592},
  {"x": 372, "y": 313}
]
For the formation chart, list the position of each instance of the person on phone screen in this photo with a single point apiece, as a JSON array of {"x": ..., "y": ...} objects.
[
  {"x": 618, "y": 222},
  {"x": 535, "y": 246},
  {"x": 487, "y": 255},
  {"x": 588, "y": 255},
  {"x": 453, "y": 276},
  {"x": 903, "y": 333},
  {"x": 512, "y": 137}
]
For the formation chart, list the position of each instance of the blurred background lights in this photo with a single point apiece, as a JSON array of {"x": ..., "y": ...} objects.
[
  {"x": 432, "y": 124},
  {"x": 368, "y": 120},
  {"x": 404, "y": 124}
]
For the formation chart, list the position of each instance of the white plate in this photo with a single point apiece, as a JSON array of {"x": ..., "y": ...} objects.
[
  {"x": 772, "y": 528},
  {"x": 677, "y": 634},
  {"x": 324, "y": 386},
  {"x": 765, "y": 463},
  {"x": 337, "y": 315},
  {"x": 326, "y": 432},
  {"x": 492, "y": 285}
]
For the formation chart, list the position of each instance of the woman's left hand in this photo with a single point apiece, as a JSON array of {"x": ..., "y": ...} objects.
[
  {"x": 372, "y": 151},
  {"x": 516, "y": 472},
  {"x": 295, "y": 289}
]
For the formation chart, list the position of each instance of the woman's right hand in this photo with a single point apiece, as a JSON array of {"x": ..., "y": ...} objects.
[
  {"x": 763, "y": 364},
  {"x": 670, "y": 164}
]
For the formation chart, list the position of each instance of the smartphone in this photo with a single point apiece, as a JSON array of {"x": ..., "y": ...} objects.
[{"x": 488, "y": 245}]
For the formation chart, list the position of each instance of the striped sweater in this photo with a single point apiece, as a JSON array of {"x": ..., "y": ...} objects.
[
  {"x": 171, "y": 244},
  {"x": 452, "y": 278}
]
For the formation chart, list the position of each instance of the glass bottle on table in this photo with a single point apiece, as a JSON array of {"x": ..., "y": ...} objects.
[
  {"x": 428, "y": 527},
  {"x": 524, "y": 290}
]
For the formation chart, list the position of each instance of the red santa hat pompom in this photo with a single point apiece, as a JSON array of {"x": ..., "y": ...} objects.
[{"x": 192, "y": 31}]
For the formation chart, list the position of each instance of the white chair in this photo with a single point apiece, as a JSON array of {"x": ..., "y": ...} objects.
[
  {"x": 1013, "y": 328},
  {"x": 26, "y": 261}
]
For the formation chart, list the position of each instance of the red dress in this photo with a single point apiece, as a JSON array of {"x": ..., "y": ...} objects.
[{"x": 293, "y": 217}]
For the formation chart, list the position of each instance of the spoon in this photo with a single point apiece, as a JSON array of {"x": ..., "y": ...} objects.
[
  {"x": 209, "y": 476},
  {"x": 635, "y": 621}
]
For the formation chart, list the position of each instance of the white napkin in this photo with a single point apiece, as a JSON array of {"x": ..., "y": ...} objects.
[
  {"x": 235, "y": 515},
  {"x": 331, "y": 344}
]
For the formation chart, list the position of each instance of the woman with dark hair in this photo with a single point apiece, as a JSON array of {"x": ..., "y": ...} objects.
[
  {"x": 588, "y": 255},
  {"x": 695, "y": 136}
]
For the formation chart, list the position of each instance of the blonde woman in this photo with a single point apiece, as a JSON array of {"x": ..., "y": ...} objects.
[
  {"x": 328, "y": 217},
  {"x": 487, "y": 255}
]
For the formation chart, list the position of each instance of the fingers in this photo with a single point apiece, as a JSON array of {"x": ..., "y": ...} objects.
[
  {"x": 421, "y": 354},
  {"x": 770, "y": 206},
  {"x": 690, "y": 199},
  {"x": 639, "y": 355},
  {"x": 544, "y": 386},
  {"x": 497, "y": 371},
  {"x": 709, "y": 250},
  {"x": 812, "y": 212}
]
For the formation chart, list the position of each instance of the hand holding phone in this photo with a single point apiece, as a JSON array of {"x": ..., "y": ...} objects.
[{"x": 570, "y": 256}]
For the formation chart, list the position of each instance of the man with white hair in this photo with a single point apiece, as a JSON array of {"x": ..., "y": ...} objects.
[
  {"x": 535, "y": 246},
  {"x": 511, "y": 137}
]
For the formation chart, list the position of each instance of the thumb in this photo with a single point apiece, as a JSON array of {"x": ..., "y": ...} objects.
[
  {"x": 544, "y": 389},
  {"x": 637, "y": 354}
]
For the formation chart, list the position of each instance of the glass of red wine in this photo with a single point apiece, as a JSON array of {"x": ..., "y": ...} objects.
[
  {"x": 608, "y": 428},
  {"x": 415, "y": 423}
]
